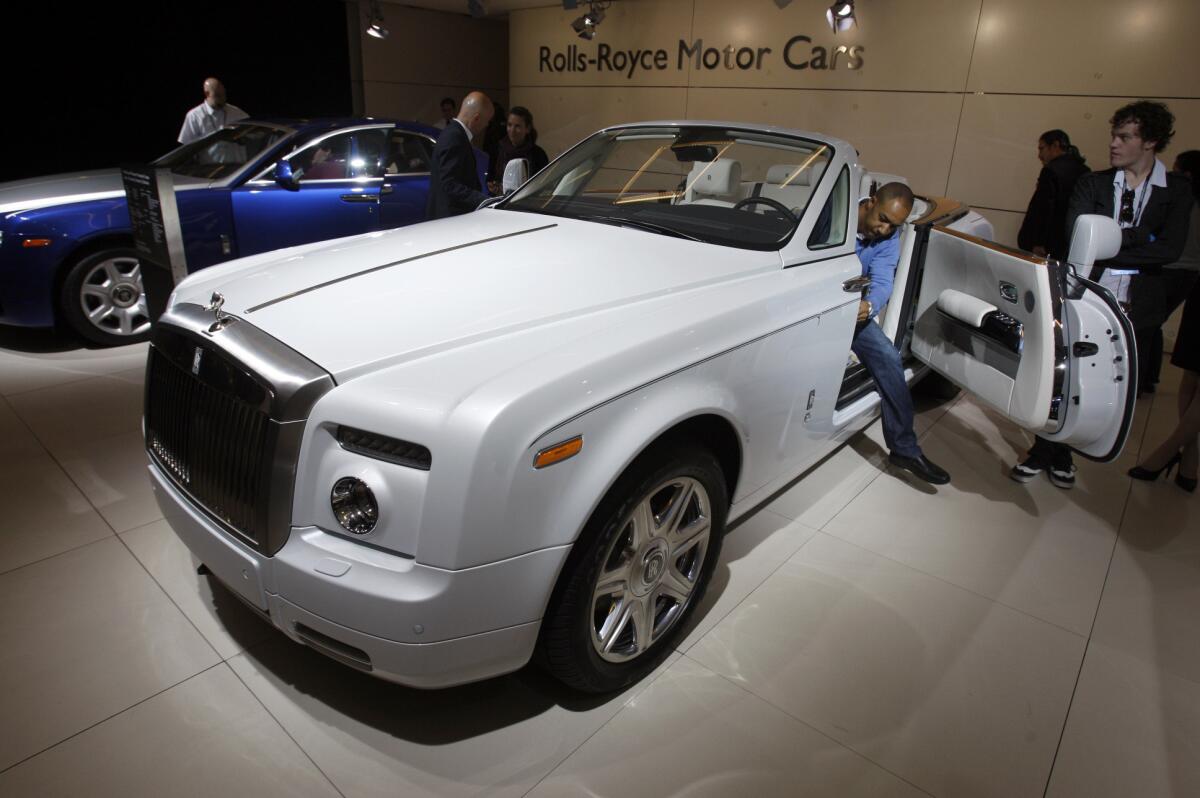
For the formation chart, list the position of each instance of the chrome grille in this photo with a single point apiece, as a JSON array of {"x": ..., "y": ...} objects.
[{"x": 213, "y": 441}]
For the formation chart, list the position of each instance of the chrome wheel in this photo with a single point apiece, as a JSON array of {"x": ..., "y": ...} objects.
[
  {"x": 651, "y": 569},
  {"x": 112, "y": 298}
]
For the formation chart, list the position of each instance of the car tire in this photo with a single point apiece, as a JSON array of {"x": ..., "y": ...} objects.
[
  {"x": 103, "y": 299},
  {"x": 638, "y": 570}
]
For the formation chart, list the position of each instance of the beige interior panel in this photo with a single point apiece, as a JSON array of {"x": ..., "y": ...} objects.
[
  {"x": 956, "y": 263},
  {"x": 1087, "y": 47},
  {"x": 417, "y": 102},
  {"x": 642, "y": 25},
  {"x": 564, "y": 116},
  {"x": 906, "y": 134},
  {"x": 995, "y": 161},
  {"x": 922, "y": 45}
]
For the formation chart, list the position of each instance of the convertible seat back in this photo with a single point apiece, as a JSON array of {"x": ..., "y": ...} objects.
[
  {"x": 714, "y": 183},
  {"x": 790, "y": 184}
]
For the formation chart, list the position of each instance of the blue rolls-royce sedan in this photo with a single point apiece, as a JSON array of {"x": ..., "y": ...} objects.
[{"x": 66, "y": 246}]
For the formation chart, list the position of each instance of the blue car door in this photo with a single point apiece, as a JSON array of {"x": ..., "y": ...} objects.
[
  {"x": 334, "y": 195},
  {"x": 405, "y": 172}
]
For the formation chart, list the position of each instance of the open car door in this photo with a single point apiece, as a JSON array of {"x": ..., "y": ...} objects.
[{"x": 1030, "y": 338}]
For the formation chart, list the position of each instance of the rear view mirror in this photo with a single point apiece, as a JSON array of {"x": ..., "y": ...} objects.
[
  {"x": 1094, "y": 238},
  {"x": 284, "y": 176},
  {"x": 516, "y": 172}
]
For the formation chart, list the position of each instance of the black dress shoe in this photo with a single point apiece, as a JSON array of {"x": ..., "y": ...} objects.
[{"x": 921, "y": 467}]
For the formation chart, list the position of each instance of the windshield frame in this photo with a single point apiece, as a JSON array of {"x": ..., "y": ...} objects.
[
  {"x": 250, "y": 167},
  {"x": 834, "y": 148}
]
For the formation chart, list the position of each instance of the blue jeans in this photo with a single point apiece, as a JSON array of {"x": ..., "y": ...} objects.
[{"x": 882, "y": 361}]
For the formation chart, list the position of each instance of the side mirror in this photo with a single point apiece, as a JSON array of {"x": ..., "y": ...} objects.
[
  {"x": 516, "y": 172},
  {"x": 284, "y": 177},
  {"x": 1094, "y": 238}
]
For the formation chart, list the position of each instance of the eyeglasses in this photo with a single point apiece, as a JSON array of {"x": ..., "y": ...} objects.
[{"x": 1126, "y": 216}]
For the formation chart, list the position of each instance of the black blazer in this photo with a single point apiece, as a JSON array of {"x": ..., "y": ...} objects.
[
  {"x": 1046, "y": 218},
  {"x": 453, "y": 178},
  {"x": 1162, "y": 234}
]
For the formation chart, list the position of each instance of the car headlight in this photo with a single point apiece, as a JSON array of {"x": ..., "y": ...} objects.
[{"x": 354, "y": 505}]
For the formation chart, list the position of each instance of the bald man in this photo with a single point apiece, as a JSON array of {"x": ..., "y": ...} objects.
[
  {"x": 211, "y": 115},
  {"x": 454, "y": 186},
  {"x": 878, "y": 247}
]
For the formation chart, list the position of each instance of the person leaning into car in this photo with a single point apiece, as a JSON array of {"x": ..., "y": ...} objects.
[
  {"x": 1152, "y": 208},
  {"x": 454, "y": 186},
  {"x": 878, "y": 248}
]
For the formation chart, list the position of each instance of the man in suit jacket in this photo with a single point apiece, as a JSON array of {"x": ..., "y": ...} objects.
[
  {"x": 1043, "y": 232},
  {"x": 454, "y": 186},
  {"x": 1153, "y": 209}
]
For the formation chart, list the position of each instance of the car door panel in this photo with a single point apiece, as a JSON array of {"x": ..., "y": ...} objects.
[{"x": 1001, "y": 324}]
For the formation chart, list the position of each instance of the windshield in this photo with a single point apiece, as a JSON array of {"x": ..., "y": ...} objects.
[
  {"x": 220, "y": 154},
  {"x": 727, "y": 187}
]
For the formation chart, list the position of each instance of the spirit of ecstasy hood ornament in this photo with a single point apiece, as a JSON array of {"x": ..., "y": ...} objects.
[{"x": 222, "y": 319}]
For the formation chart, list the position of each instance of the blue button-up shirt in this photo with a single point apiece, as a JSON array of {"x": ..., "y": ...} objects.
[{"x": 879, "y": 259}]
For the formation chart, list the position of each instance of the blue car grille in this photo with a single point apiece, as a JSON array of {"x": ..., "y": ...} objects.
[{"x": 206, "y": 427}]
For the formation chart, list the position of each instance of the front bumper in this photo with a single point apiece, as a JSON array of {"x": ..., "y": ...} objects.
[{"x": 378, "y": 612}]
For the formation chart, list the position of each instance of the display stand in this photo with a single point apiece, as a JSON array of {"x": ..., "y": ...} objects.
[{"x": 157, "y": 234}]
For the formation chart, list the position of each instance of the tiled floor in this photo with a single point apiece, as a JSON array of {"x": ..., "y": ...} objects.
[{"x": 863, "y": 635}]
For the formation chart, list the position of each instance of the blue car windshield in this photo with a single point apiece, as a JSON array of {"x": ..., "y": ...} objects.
[
  {"x": 218, "y": 155},
  {"x": 730, "y": 187}
]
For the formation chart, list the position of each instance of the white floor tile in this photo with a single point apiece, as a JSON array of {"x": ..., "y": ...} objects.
[
  {"x": 1031, "y": 546},
  {"x": 221, "y": 617},
  {"x": 63, "y": 417},
  {"x": 43, "y": 512},
  {"x": 829, "y": 487},
  {"x": 86, "y": 635},
  {"x": 373, "y": 738},
  {"x": 956, "y": 694},
  {"x": 1134, "y": 730},
  {"x": 205, "y": 737},
  {"x": 1151, "y": 609},
  {"x": 693, "y": 733},
  {"x": 753, "y": 550},
  {"x": 111, "y": 472}
]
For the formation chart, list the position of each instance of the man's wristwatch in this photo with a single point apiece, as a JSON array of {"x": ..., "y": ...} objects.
[{"x": 870, "y": 308}]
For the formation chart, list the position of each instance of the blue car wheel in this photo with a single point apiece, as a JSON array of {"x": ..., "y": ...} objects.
[{"x": 103, "y": 299}]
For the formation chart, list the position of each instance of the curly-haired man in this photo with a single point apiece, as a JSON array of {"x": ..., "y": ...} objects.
[{"x": 1153, "y": 209}]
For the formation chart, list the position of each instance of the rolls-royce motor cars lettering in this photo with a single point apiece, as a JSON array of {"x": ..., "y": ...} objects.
[
  {"x": 66, "y": 243},
  {"x": 431, "y": 452}
]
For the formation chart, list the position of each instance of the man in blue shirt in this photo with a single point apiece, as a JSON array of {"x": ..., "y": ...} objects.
[{"x": 878, "y": 247}]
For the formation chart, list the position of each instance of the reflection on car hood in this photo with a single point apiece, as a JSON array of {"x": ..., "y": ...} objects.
[
  {"x": 42, "y": 192},
  {"x": 361, "y": 303}
]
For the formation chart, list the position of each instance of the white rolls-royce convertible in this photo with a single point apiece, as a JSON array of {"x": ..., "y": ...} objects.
[{"x": 436, "y": 452}]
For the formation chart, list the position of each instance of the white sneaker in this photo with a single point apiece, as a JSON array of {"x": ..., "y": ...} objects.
[{"x": 1063, "y": 478}]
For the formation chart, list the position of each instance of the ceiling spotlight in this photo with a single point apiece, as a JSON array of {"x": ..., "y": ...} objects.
[
  {"x": 585, "y": 25},
  {"x": 840, "y": 16},
  {"x": 376, "y": 27}
]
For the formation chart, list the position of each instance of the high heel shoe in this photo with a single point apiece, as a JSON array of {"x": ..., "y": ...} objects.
[
  {"x": 1187, "y": 483},
  {"x": 1137, "y": 472}
]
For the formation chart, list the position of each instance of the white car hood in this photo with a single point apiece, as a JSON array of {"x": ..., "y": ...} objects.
[{"x": 358, "y": 304}]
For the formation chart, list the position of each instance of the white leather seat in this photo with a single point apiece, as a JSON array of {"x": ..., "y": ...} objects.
[
  {"x": 716, "y": 182},
  {"x": 787, "y": 183}
]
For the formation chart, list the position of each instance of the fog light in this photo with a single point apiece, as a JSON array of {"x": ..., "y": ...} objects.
[{"x": 354, "y": 505}]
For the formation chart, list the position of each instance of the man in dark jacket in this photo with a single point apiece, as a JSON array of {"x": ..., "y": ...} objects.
[
  {"x": 1044, "y": 231},
  {"x": 1153, "y": 209},
  {"x": 454, "y": 186}
]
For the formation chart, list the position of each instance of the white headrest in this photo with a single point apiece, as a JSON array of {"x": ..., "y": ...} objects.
[
  {"x": 864, "y": 186},
  {"x": 718, "y": 178},
  {"x": 788, "y": 173},
  {"x": 1094, "y": 238}
]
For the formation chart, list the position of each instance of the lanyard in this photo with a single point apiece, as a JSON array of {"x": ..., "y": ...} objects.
[{"x": 1141, "y": 203}]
